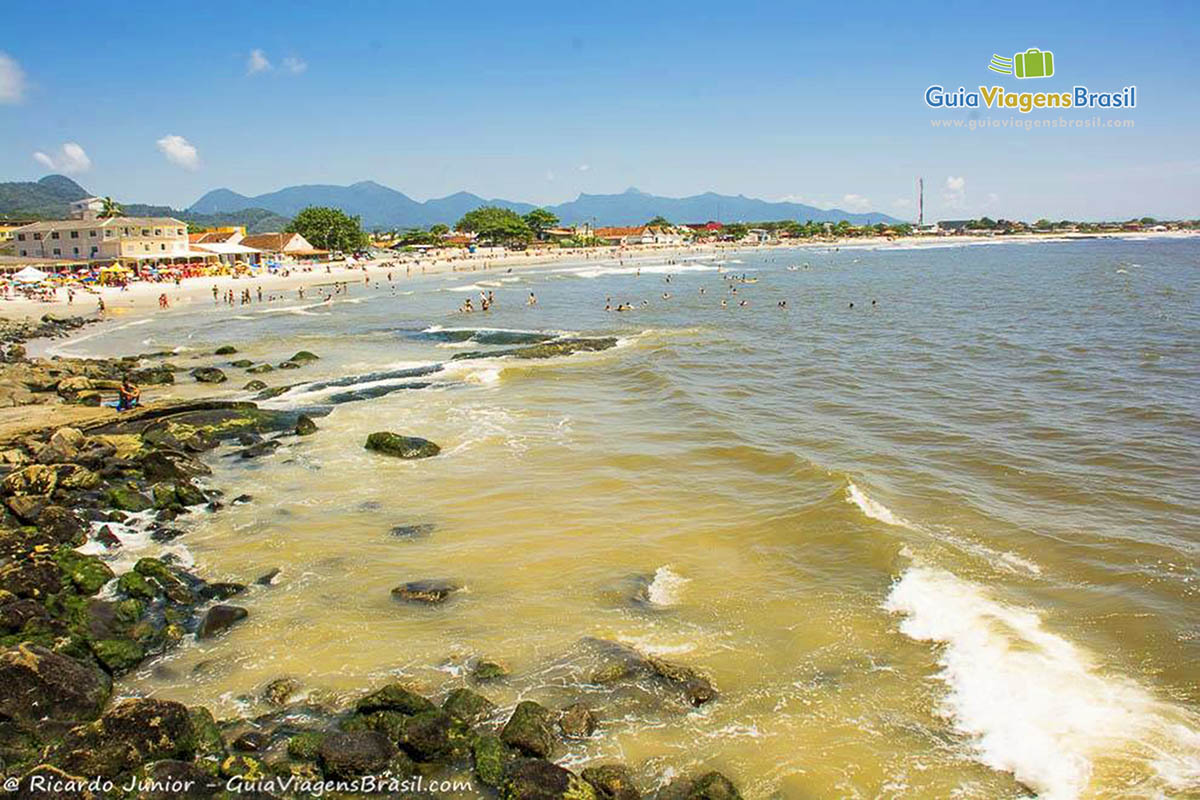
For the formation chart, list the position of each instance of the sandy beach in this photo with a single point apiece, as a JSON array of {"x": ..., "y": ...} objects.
[{"x": 141, "y": 297}]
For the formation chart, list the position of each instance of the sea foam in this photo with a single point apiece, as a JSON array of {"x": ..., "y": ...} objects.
[{"x": 1035, "y": 704}]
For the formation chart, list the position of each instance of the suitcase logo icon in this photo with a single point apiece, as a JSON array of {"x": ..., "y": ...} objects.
[{"x": 1033, "y": 63}]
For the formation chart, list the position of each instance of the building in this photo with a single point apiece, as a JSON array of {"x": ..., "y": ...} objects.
[
  {"x": 87, "y": 208},
  {"x": 279, "y": 246},
  {"x": 641, "y": 234},
  {"x": 952, "y": 226},
  {"x": 133, "y": 240}
]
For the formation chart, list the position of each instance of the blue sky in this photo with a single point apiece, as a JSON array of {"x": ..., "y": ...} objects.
[{"x": 539, "y": 102}]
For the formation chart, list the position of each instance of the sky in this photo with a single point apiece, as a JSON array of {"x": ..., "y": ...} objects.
[{"x": 161, "y": 102}]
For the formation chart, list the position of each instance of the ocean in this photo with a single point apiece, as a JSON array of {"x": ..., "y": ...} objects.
[{"x": 943, "y": 542}]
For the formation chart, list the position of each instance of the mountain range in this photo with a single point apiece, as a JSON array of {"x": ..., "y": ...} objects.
[{"x": 382, "y": 207}]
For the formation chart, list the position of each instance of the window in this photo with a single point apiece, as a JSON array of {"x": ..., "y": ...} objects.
[
  {"x": 107, "y": 233},
  {"x": 24, "y": 252},
  {"x": 57, "y": 252},
  {"x": 74, "y": 234},
  {"x": 91, "y": 234},
  {"x": 95, "y": 250},
  {"x": 54, "y": 235},
  {"x": 125, "y": 231},
  {"x": 158, "y": 231},
  {"x": 179, "y": 231},
  {"x": 76, "y": 249},
  {"x": 20, "y": 237},
  {"x": 37, "y": 237},
  {"x": 145, "y": 231},
  {"x": 162, "y": 247}
]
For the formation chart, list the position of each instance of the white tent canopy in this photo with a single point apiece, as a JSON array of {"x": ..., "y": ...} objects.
[{"x": 30, "y": 275}]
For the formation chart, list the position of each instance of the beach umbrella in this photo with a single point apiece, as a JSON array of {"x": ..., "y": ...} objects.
[{"x": 30, "y": 275}]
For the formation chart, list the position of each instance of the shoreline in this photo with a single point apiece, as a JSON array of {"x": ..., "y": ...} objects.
[{"x": 142, "y": 297}]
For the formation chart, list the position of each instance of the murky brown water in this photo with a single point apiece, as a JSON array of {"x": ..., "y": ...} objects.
[{"x": 942, "y": 546}]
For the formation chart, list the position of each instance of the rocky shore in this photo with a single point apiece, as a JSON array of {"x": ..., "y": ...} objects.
[{"x": 70, "y": 624}]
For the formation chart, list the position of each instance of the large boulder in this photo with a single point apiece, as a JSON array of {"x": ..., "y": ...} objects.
[
  {"x": 709, "y": 786},
  {"x": 209, "y": 375},
  {"x": 393, "y": 444},
  {"x": 220, "y": 618},
  {"x": 348, "y": 754},
  {"x": 537, "y": 779},
  {"x": 394, "y": 697},
  {"x": 612, "y": 782},
  {"x": 41, "y": 684},
  {"x": 35, "y": 479},
  {"x": 165, "y": 464},
  {"x": 467, "y": 706},
  {"x": 131, "y": 733},
  {"x": 530, "y": 729}
]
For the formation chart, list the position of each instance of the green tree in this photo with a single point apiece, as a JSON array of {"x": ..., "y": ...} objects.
[
  {"x": 499, "y": 225},
  {"x": 737, "y": 231},
  {"x": 539, "y": 220},
  {"x": 111, "y": 208},
  {"x": 659, "y": 222},
  {"x": 439, "y": 229},
  {"x": 329, "y": 229},
  {"x": 1148, "y": 220}
]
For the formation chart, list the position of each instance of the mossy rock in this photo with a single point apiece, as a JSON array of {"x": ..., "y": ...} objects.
[
  {"x": 468, "y": 706},
  {"x": 304, "y": 355},
  {"x": 395, "y": 697},
  {"x": 530, "y": 729},
  {"x": 260, "y": 369},
  {"x": 254, "y": 386},
  {"x": 225, "y": 350},
  {"x": 305, "y": 746},
  {"x": 407, "y": 447},
  {"x": 135, "y": 585},
  {"x": 491, "y": 760},
  {"x": 485, "y": 671},
  {"x": 241, "y": 363},
  {"x": 118, "y": 655},
  {"x": 209, "y": 742},
  {"x": 123, "y": 498},
  {"x": 537, "y": 779},
  {"x": 88, "y": 573}
]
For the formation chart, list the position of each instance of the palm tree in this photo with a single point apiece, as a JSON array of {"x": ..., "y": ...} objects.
[{"x": 111, "y": 208}]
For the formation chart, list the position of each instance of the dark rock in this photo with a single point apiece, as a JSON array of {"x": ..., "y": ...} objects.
[
  {"x": 625, "y": 664},
  {"x": 485, "y": 671},
  {"x": 577, "y": 721},
  {"x": 351, "y": 754},
  {"x": 558, "y": 347},
  {"x": 242, "y": 363},
  {"x": 64, "y": 786},
  {"x": 176, "y": 780},
  {"x": 427, "y": 736},
  {"x": 220, "y": 618},
  {"x": 225, "y": 350},
  {"x": 268, "y": 579},
  {"x": 241, "y": 499},
  {"x": 129, "y": 734},
  {"x": 106, "y": 537},
  {"x": 530, "y": 730},
  {"x": 40, "y": 684},
  {"x": 170, "y": 465},
  {"x": 209, "y": 375},
  {"x": 26, "y": 507},
  {"x": 118, "y": 655},
  {"x": 395, "y": 697},
  {"x": 467, "y": 706},
  {"x": 254, "y": 386},
  {"x": 279, "y": 691},
  {"x": 429, "y": 592},
  {"x": 289, "y": 365},
  {"x": 393, "y": 444},
  {"x": 306, "y": 745},
  {"x": 251, "y": 742},
  {"x": 38, "y": 479},
  {"x": 416, "y": 531},
  {"x": 710, "y": 786},
  {"x": 153, "y": 376},
  {"x": 304, "y": 355},
  {"x": 63, "y": 525},
  {"x": 260, "y": 369},
  {"x": 259, "y": 449},
  {"x": 220, "y": 590},
  {"x": 87, "y": 573},
  {"x": 612, "y": 782},
  {"x": 34, "y": 577},
  {"x": 536, "y": 779},
  {"x": 305, "y": 426},
  {"x": 16, "y": 614}
]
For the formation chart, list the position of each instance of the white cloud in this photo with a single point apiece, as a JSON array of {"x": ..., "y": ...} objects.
[
  {"x": 179, "y": 151},
  {"x": 549, "y": 174},
  {"x": 12, "y": 80},
  {"x": 295, "y": 65},
  {"x": 808, "y": 201},
  {"x": 584, "y": 167},
  {"x": 855, "y": 202},
  {"x": 70, "y": 159},
  {"x": 956, "y": 191},
  {"x": 257, "y": 62}
]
